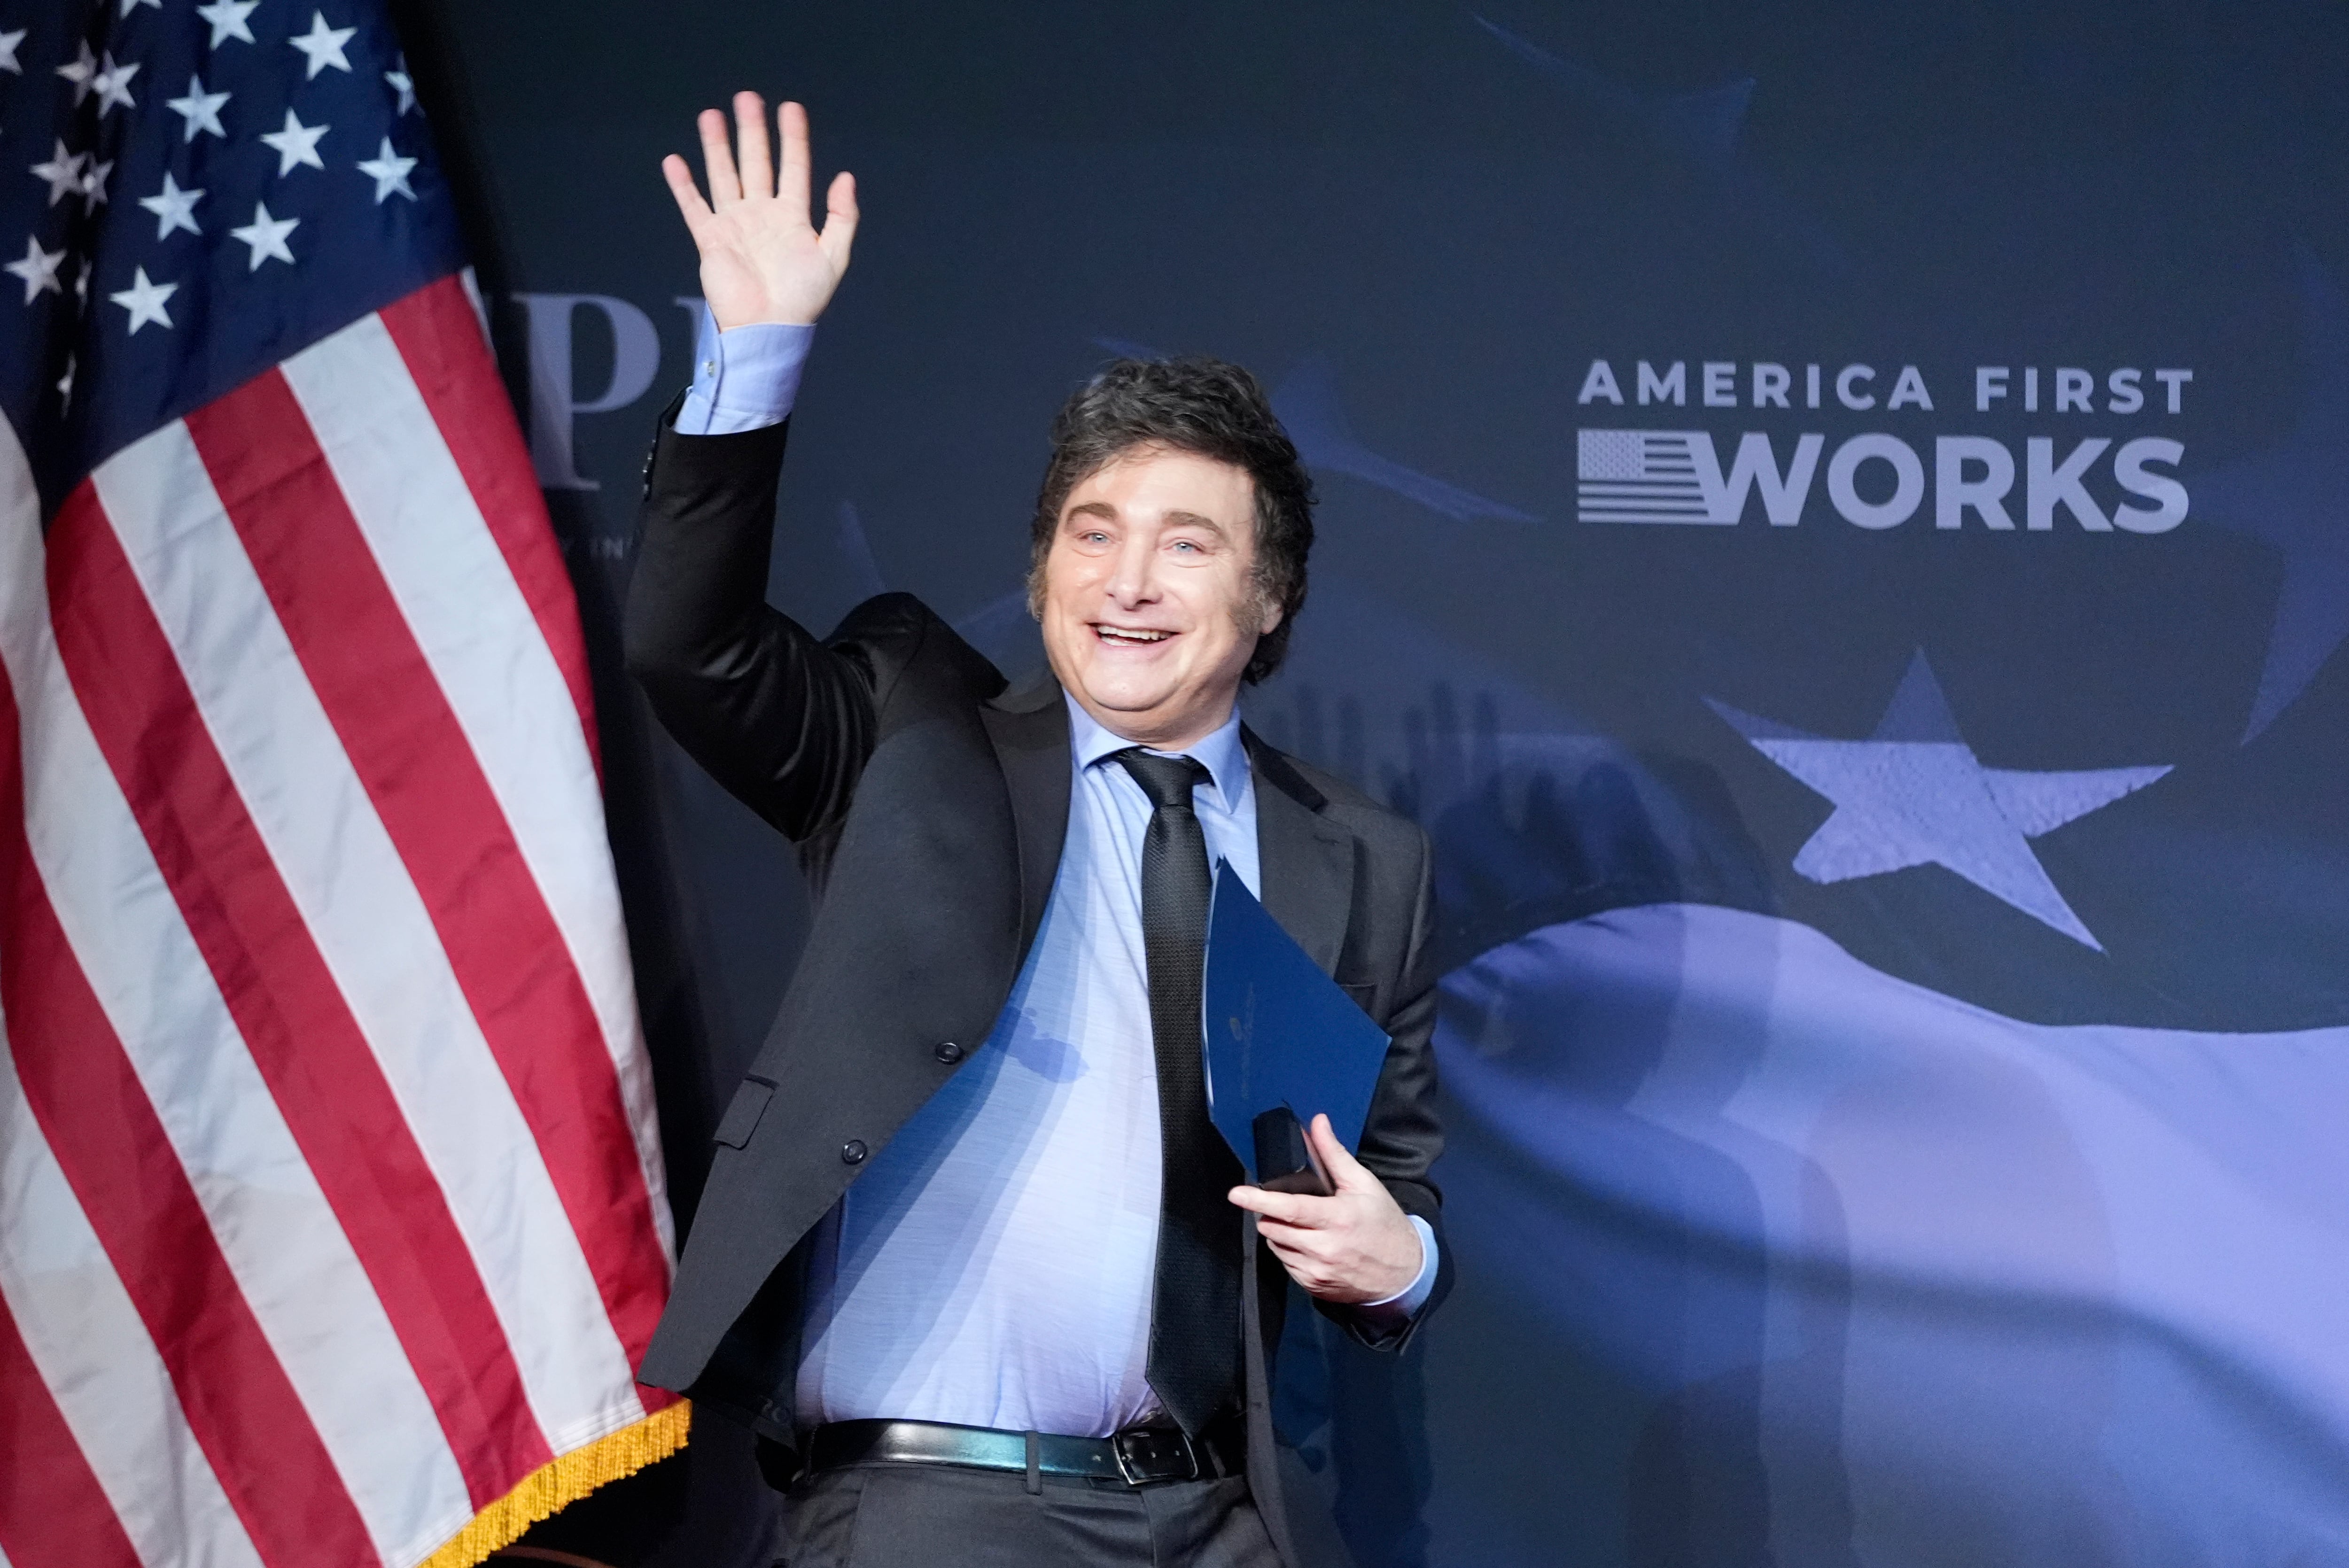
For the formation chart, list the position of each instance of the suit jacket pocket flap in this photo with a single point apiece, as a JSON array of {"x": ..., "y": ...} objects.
[
  {"x": 1365, "y": 997},
  {"x": 741, "y": 1118}
]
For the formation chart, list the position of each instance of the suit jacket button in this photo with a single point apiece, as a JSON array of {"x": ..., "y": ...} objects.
[
  {"x": 950, "y": 1053},
  {"x": 853, "y": 1151}
]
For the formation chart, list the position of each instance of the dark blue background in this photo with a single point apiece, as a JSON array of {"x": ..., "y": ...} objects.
[{"x": 1420, "y": 223}]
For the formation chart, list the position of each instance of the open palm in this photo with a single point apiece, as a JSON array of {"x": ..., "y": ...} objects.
[{"x": 761, "y": 258}]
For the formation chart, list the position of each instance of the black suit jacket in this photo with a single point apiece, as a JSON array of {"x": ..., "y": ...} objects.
[{"x": 930, "y": 805}]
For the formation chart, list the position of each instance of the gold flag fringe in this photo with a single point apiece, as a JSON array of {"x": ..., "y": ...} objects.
[{"x": 565, "y": 1480}]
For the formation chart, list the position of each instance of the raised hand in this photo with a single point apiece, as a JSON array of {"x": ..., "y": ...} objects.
[
  {"x": 1355, "y": 1246},
  {"x": 761, "y": 258}
]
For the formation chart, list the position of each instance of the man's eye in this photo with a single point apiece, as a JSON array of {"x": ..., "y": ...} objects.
[{"x": 1187, "y": 544}]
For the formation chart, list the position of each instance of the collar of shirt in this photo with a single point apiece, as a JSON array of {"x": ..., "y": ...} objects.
[{"x": 1223, "y": 754}]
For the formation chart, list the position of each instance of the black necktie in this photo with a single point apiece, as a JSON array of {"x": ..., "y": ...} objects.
[{"x": 1195, "y": 1306}]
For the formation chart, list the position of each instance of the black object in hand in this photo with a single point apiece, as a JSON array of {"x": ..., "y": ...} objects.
[{"x": 1284, "y": 1161}]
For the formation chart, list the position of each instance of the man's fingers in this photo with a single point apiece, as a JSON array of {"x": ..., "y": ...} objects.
[
  {"x": 751, "y": 132},
  {"x": 717, "y": 160},
  {"x": 839, "y": 221},
  {"x": 1345, "y": 1172},
  {"x": 679, "y": 176},
  {"x": 1288, "y": 1208},
  {"x": 792, "y": 190}
]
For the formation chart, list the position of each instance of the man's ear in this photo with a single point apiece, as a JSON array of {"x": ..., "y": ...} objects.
[{"x": 1272, "y": 619}]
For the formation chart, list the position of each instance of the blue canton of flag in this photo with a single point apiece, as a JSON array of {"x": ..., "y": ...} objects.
[{"x": 188, "y": 193}]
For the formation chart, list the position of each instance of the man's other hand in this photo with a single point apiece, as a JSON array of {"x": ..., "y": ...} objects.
[
  {"x": 761, "y": 258},
  {"x": 1355, "y": 1246}
]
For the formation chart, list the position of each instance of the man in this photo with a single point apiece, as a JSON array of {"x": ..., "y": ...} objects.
[{"x": 971, "y": 1259}]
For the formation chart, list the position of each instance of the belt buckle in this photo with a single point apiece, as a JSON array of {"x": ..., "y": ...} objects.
[{"x": 1138, "y": 1447}]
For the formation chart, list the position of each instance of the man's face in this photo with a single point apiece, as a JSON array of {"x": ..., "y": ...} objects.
[{"x": 1149, "y": 609}]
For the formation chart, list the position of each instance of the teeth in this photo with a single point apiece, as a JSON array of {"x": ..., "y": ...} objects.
[{"x": 1117, "y": 634}]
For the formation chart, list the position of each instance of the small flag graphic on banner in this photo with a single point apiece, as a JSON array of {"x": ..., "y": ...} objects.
[
  {"x": 334, "y": 1221},
  {"x": 1639, "y": 476}
]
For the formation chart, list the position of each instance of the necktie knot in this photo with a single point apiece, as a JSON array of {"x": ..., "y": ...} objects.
[{"x": 1167, "y": 780}]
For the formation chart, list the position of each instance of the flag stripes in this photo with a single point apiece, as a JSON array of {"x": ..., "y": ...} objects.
[
  {"x": 44, "y": 1460},
  {"x": 303, "y": 1039},
  {"x": 117, "y": 1156},
  {"x": 440, "y": 342},
  {"x": 368, "y": 921},
  {"x": 424, "y": 779},
  {"x": 459, "y": 589},
  {"x": 91, "y": 1356},
  {"x": 323, "y": 1094}
]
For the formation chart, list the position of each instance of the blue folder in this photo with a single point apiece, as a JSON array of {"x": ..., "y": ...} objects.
[{"x": 1278, "y": 1031}]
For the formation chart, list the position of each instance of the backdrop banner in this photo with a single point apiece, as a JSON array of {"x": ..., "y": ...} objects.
[{"x": 1836, "y": 518}]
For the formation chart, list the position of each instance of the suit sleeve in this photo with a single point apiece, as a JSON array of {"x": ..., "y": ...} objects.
[
  {"x": 1402, "y": 1137},
  {"x": 783, "y": 722}
]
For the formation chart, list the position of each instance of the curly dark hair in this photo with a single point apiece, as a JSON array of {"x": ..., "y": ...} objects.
[{"x": 1198, "y": 404}]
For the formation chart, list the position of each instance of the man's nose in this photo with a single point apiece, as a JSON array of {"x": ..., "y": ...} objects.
[{"x": 1134, "y": 578}]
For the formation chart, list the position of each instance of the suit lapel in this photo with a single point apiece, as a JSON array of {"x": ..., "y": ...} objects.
[
  {"x": 1305, "y": 863},
  {"x": 1029, "y": 728}
]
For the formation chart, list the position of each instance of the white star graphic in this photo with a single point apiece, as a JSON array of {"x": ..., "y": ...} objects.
[
  {"x": 39, "y": 270},
  {"x": 81, "y": 282},
  {"x": 65, "y": 382},
  {"x": 1913, "y": 794},
  {"x": 93, "y": 186},
  {"x": 297, "y": 144},
  {"x": 227, "y": 17},
  {"x": 403, "y": 84},
  {"x": 63, "y": 172},
  {"x": 113, "y": 85},
  {"x": 323, "y": 46},
  {"x": 144, "y": 301},
  {"x": 390, "y": 172},
  {"x": 8, "y": 42},
  {"x": 130, "y": 6},
  {"x": 199, "y": 108},
  {"x": 266, "y": 235},
  {"x": 173, "y": 208},
  {"x": 79, "y": 72}
]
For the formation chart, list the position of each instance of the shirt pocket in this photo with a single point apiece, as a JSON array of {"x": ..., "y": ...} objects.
[{"x": 741, "y": 1118}]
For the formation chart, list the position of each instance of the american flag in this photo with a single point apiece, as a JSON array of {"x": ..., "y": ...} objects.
[
  {"x": 332, "y": 1221},
  {"x": 1639, "y": 476}
]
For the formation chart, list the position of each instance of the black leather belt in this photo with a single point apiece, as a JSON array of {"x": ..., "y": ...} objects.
[{"x": 1138, "y": 1456}]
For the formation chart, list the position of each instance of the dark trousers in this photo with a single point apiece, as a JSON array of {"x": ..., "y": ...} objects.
[{"x": 934, "y": 1516}]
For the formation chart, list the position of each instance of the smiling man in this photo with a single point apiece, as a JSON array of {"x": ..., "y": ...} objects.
[{"x": 972, "y": 1260}]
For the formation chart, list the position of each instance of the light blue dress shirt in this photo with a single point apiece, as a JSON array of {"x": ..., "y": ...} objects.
[{"x": 993, "y": 1267}]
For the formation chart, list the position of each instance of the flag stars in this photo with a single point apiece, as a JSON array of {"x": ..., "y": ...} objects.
[
  {"x": 199, "y": 108},
  {"x": 63, "y": 172},
  {"x": 39, "y": 271},
  {"x": 65, "y": 383},
  {"x": 112, "y": 85},
  {"x": 93, "y": 186},
  {"x": 144, "y": 301},
  {"x": 297, "y": 144},
  {"x": 266, "y": 235},
  {"x": 173, "y": 208},
  {"x": 8, "y": 42},
  {"x": 323, "y": 46},
  {"x": 227, "y": 19},
  {"x": 130, "y": 6},
  {"x": 80, "y": 72},
  {"x": 402, "y": 83},
  {"x": 390, "y": 172}
]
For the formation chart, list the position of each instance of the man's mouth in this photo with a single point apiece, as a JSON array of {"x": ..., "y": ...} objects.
[{"x": 1129, "y": 637}]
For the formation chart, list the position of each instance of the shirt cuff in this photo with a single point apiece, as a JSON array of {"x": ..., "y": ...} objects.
[
  {"x": 1403, "y": 1306},
  {"x": 745, "y": 379}
]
